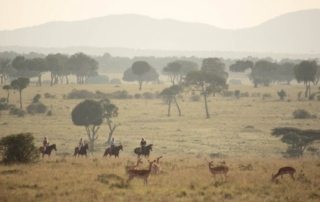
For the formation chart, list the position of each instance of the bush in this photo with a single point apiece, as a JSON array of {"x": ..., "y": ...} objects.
[
  {"x": 80, "y": 94},
  {"x": 195, "y": 98},
  {"x": 17, "y": 111},
  {"x": 302, "y": 114},
  {"x": 266, "y": 95},
  {"x": 148, "y": 95},
  {"x": 137, "y": 96},
  {"x": 36, "y": 98},
  {"x": 120, "y": 94},
  {"x": 18, "y": 148},
  {"x": 49, "y": 96},
  {"x": 36, "y": 108}
]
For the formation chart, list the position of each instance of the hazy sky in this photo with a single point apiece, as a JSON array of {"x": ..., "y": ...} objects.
[{"x": 221, "y": 13}]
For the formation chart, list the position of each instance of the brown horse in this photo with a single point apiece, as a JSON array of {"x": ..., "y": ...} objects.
[
  {"x": 48, "y": 150},
  {"x": 115, "y": 151},
  {"x": 145, "y": 151},
  {"x": 82, "y": 151}
]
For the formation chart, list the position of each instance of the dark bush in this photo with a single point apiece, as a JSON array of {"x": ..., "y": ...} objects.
[
  {"x": 302, "y": 114},
  {"x": 49, "y": 96},
  {"x": 121, "y": 94},
  {"x": 148, "y": 95},
  {"x": 49, "y": 113},
  {"x": 17, "y": 111},
  {"x": 18, "y": 148},
  {"x": 36, "y": 108},
  {"x": 36, "y": 98},
  {"x": 137, "y": 96}
]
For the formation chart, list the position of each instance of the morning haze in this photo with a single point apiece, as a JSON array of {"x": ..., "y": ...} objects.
[{"x": 143, "y": 100}]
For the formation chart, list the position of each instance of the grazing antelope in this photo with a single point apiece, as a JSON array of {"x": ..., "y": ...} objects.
[
  {"x": 284, "y": 170},
  {"x": 142, "y": 174},
  {"x": 132, "y": 167},
  {"x": 221, "y": 169},
  {"x": 156, "y": 166}
]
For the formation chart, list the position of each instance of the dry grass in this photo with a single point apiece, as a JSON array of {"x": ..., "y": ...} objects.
[{"x": 239, "y": 130}]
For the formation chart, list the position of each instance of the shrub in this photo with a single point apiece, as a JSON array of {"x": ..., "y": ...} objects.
[
  {"x": 36, "y": 108},
  {"x": 18, "y": 148},
  {"x": 302, "y": 114},
  {"x": 36, "y": 98},
  {"x": 80, "y": 94},
  {"x": 266, "y": 95},
  {"x": 137, "y": 96},
  {"x": 195, "y": 98},
  {"x": 49, "y": 96},
  {"x": 120, "y": 94},
  {"x": 148, "y": 95},
  {"x": 17, "y": 111}
]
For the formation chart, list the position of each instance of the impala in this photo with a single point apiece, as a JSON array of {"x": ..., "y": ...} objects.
[
  {"x": 141, "y": 173},
  {"x": 283, "y": 171},
  {"x": 221, "y": 169}
]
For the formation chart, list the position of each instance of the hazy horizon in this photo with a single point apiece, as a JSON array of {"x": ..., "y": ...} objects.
[{"x": 16, "y": 14}]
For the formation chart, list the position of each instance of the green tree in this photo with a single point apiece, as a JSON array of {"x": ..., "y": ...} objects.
[
  {"x": 170, "y": 95},
  {"x": 306, "y": 72},
  {"x": 210, "y": 79},
  {"x": 20, "y": 84},
  {"x": 5, "y": 69},
  {"x": 297, "y": 140},
  {"x": 173, "y": 71},
  {"x": 38, "y": 66},
  {"x": 285, "y": 72},
  {"x": 89, "y": 114},
  {"x": 241, "y": 65},
  {"x": 263, "y": 72},
  {"x": 150, "y": 76},
  {"x": 58, "y": 66},
  {"x": 140, "y": 68},
  {"x": 82, "y": 66},
  {"x": 18, "y": 148}
]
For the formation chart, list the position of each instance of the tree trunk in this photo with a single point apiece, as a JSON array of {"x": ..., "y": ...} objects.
[
  {"x": 175, "y": 100},
  {"x": 8, "y": 95},
  {"x": 20, "y": 93},
  {"x": 206, "y": 105},
  {"x": 140, "y": 84},
  {"x": 39, "y": 80},
  {"x": 67, "y": 79},
  {"x": 111, "y": 130},
  {"x": 91, "y": 145},
  {"x": 169, "y": 107},
  {"x": 52, "y": 78}
]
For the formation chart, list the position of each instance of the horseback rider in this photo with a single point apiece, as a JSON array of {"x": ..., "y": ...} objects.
[
  {"x": 45, "y": 143},
  {"x": 143, "y": 143},
  {"x": 112, "y": 144}
]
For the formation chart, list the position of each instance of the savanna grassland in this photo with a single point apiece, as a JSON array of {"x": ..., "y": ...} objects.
[{"x": 238, "y": 132}]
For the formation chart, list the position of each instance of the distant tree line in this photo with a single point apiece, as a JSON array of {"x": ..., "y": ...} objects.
[{"x": 59, "y": 66}]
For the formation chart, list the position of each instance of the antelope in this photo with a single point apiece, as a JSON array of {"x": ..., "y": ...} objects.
[
  {"x": 142, "y": 174},
  {"x": 132, "y": 167},
  {"x": 156, "y": 166},
  {"x": 284, "y": 170},
  {"x": 221, "y": 169}
]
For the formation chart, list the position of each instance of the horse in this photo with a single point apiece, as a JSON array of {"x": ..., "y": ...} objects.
[
  {"x": 48, "y": 150},
  {"x": 82, "y": 151},
  {"x": 114, "y": 151},
  {"x": 145, "y": 150}
]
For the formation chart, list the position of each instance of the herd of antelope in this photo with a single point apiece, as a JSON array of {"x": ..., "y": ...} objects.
[{"x": 222, "y": 169}]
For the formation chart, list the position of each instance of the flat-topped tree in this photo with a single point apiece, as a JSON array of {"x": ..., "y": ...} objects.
[
  {"x": 296, "y": 139},
  {"x": 89, "y": 114},
  {"x": 306, "y": 72},
  {"x": 210, "y": 79},
  {"x": 178, "y": 69},
  {"x": 169, "y": 94},
  {"x": 20, "y": 84},
  {"x": 140, "y": 68}
]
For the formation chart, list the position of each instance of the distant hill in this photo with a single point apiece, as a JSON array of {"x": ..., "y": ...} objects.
[{"x": 297, "y": 32}]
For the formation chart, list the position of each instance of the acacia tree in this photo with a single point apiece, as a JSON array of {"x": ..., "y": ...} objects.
[
  {"x": 178, "y": 69},
  {"x": 306, "y": 72},
  {"x": 263, "y": 72},
  {"x": 285, "y": 72},
  {"x": 38, "y": 66},
  {"x": 20, "y": 84},
  {"x": 210, "y": 79},
  {"x": 57, "y": 65},
  {"x": 150, "y": 76},
  {"x": 169, "y": 94},
  {"x": 7, "y": 88},
  {"x": 89, "y": 114},
  {"x": 140, "y": 68},
  {"x": 297, "y": 140},
  {"x": 110, "y": 112},
  {"x": 82, "y": 66}
]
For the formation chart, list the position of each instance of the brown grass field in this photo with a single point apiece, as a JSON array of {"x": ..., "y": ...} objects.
[{"x": 185, "y": 142}]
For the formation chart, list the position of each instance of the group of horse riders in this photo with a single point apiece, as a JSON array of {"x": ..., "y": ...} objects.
[{"x": 45, "y": 143}]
